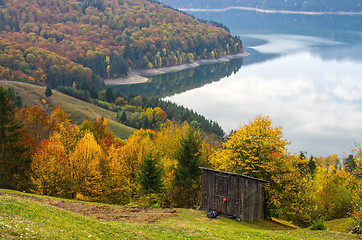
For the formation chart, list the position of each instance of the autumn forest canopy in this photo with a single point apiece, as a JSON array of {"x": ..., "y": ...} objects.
[{"x": 61, "y": 42}]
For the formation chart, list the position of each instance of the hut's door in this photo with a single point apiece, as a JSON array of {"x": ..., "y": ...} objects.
[{"x": 221, "y": 193}]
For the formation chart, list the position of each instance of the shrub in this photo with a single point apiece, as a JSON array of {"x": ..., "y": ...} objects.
[{"x": 318, "y": 225}]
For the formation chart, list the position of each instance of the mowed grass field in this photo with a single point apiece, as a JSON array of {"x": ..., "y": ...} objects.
[
  {"x": 22, "y": 217},
  {"x": 77, "y": 110}
]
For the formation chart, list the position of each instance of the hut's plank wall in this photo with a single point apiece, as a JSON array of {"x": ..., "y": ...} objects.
[{"x": 244, "y": 195}]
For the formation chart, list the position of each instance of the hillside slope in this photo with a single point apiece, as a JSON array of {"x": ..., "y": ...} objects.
[
  {"x": 78, "y": 110},
  {"x": 38, "y": 217},
  {"x": 104, "y": 36}
]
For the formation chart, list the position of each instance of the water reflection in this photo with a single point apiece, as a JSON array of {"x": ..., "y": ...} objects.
[
  {"x": 338, "y": 28},
  {"x": 347, "y": 52},
  {"x": 317, "y": 102},
  {"x": 172, "y": 83}
]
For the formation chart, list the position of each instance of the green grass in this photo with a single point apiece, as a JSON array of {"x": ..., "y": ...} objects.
[
  {"x": 77, "y": 110},
  {"x": 340, "y": 225},
  {"x": 23, "y": 218}
]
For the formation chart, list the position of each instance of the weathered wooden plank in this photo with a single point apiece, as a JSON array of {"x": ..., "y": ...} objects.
[{"x": 244, "y": 195}]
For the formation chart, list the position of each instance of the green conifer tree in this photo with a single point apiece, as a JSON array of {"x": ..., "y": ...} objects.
[
  {"x": 10, "y": 132},
  {"x": 123, "y": 118},
  {"x": 150, "y": 175},
  {"x": 48, "y": 92},
  {"x": 188, "y": 174}
]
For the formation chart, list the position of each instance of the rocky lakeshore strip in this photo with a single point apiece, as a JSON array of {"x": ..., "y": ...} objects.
[{"x": 140, "y": 75}]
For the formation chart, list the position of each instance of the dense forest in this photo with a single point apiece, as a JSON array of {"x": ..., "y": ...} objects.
[
  {"x": 101, "y": 37},
  {"x": 294, "y": 5}
]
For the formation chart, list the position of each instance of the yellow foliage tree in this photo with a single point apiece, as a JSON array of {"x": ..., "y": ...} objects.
[
  {"x": 51, "y": 173},
  {"x": 333, "y": 191},
  {"x": 166, "y": 145},
  {"x": 255, "y": 150},
  {"x": 290, "y": 191},
  {"x": 130, "y": 157},
  {"x": 115, "y": 179},
  {"x": 86, "y": 164},
  {"x": 60, "y": 114}
]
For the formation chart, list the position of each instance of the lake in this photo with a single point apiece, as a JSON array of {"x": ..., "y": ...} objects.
[{"x": 304, "y": 72}]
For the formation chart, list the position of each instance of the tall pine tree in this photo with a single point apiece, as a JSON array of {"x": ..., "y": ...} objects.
[
  {"x": 10, "y": 132},
  {"x": 150, "y": 175},
  {"x": 188, "y": 174}
]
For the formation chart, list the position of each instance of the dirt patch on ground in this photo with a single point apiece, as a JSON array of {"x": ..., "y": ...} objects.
[{"x": 103, "y": 212}]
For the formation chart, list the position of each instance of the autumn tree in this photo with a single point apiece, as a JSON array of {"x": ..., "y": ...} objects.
[
  {"x": 357, "y": 206},
  {"x": 130, "y": 156},
  {"x": 333, "y": 189},
  {"x": 166, "y": 146},
  {"x": 86, "y": 164},
  {"x": 100, "y": 130},
  {"x": 115, "y": 178},
  {"x": 289, "y": 191},
  {"x": 38, "y": 124},
  {"x": 254, "y": 150},
  {"x": 51, "y": 169},
  {"x": 119, "y": 101}
]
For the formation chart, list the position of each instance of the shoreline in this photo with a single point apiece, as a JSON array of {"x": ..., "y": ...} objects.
[
  {"x": 261, "y": 10},
  {"x": 141, "y": 75}
]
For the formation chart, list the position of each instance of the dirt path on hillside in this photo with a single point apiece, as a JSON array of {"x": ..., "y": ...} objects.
[{"x": 101, "y": 211}]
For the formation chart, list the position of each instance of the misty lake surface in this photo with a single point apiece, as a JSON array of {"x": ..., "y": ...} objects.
[{"x": 304, "y": 72}]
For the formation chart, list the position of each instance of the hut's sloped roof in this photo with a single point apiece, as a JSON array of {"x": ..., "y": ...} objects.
[{"x": 234, "y": 174}]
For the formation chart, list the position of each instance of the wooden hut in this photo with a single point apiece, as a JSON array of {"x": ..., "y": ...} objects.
[{"x": 233, "y": 195}]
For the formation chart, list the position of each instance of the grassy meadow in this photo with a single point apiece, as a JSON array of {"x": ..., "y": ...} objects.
[{"x": 21, "y": 217}]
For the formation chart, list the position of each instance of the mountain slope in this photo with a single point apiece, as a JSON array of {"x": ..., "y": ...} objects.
[{"x": 108, "y": 36}]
